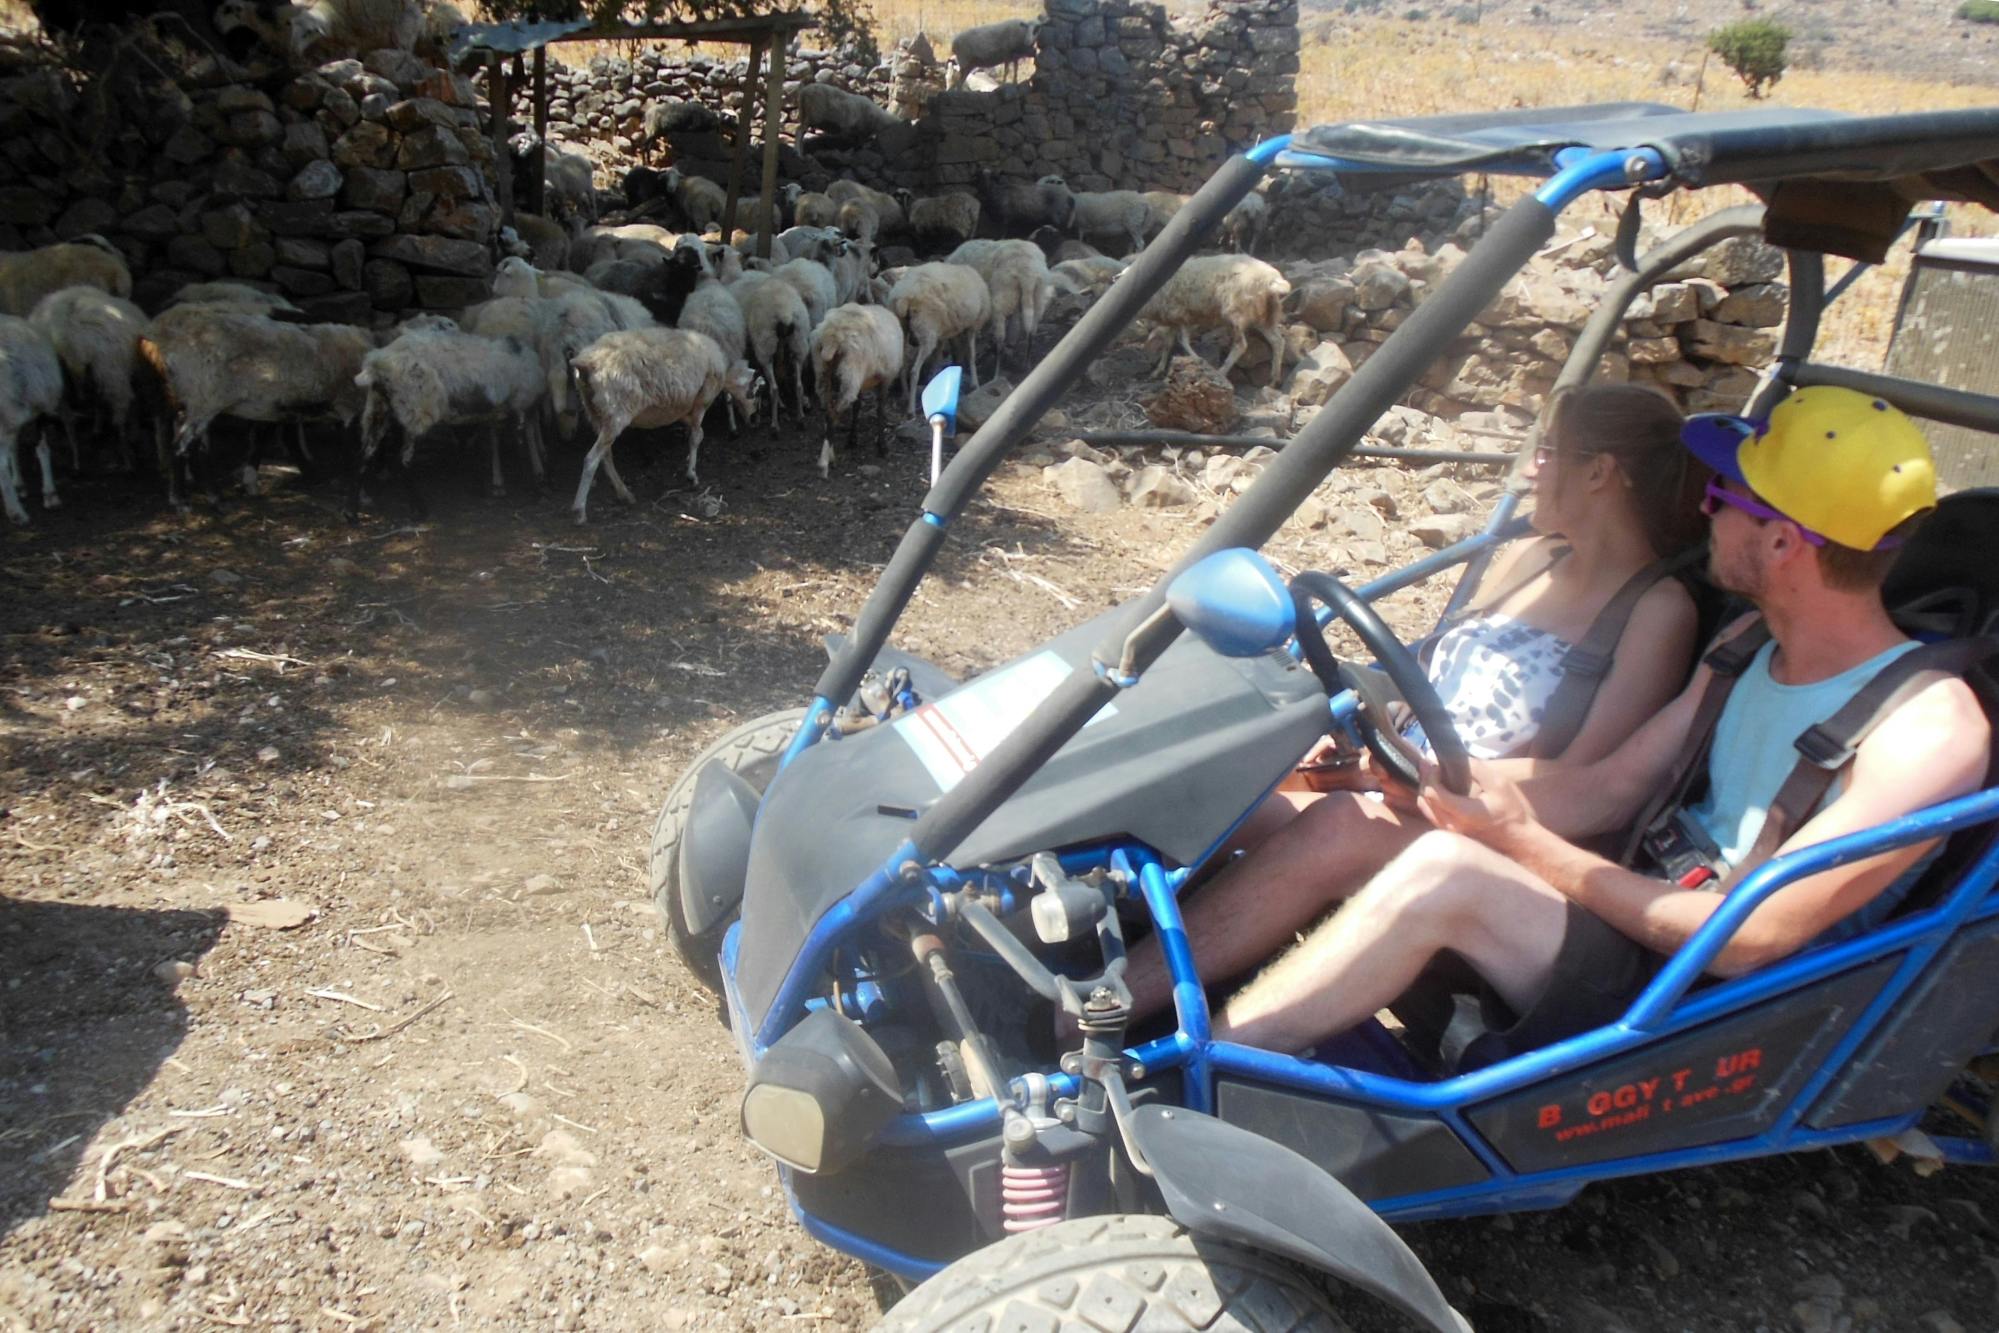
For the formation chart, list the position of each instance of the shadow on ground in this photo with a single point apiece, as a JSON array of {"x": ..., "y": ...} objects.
[{"x": 85, "y": 1023}]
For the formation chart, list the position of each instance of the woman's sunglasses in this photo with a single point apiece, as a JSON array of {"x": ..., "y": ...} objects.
[
  {"x": 1546, "y": 453},
  {"x": 1717, "y": 495}
]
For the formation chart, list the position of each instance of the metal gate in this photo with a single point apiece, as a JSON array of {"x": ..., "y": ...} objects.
[{"x": 1947, "y": 332}]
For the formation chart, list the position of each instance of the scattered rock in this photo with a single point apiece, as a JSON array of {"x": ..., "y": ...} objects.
[
  {"x": 978, "y": 406},
  {"x": 1441, "y": 530},
  {"x": 1083, "y": 486},
  {"x": 1161, "y": 488},
  {"x": 174, "y": 971},
  {"x": 539, "y": 886},
  {"x": 422, "y": 1153},
  {"x": 271, "y": 913}
]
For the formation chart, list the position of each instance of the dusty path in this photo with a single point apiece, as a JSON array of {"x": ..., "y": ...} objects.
[{"x": 507, "y": 1106}]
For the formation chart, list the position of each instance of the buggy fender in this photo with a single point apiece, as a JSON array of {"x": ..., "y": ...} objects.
[
  {"x": 1233, "y": 1185},
  {"x": 715, "y": 846}
]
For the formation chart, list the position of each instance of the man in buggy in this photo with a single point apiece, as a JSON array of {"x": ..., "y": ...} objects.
[{"x": 1807, "y": 510}]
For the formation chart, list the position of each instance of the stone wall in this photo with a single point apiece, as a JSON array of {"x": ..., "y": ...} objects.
[
  {"x": 360, "y": 189},
  {"x": 1119, "y": 97}
]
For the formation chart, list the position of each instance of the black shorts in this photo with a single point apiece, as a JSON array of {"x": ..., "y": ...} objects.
[
  {"x": 1453, "y": 1020},
  {"x": 1598, "y": 972}
]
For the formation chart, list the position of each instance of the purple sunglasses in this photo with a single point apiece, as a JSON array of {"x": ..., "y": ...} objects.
[{"x": 1717, "y": 496}]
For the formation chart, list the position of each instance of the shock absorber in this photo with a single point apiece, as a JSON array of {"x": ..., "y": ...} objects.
[{"x": 1034, "y": 1189}]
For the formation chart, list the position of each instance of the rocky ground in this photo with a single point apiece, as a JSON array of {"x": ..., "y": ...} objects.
[{"x": 331, "y": 997}]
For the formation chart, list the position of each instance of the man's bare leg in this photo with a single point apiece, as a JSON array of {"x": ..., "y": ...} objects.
[
  {"x": 1443, "y": 891},
  {"x": 1287, "y": 881}
]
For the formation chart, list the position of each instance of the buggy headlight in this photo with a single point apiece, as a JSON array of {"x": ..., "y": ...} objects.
[{"x": 820, "y": 1094}]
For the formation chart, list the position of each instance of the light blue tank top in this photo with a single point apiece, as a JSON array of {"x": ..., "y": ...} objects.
[{"x": 1755, "y": 749}]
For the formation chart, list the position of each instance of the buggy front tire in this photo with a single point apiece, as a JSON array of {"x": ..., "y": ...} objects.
[
  {"x": 750, "y": 751},
  {"x": 1117, "y": 1272}
]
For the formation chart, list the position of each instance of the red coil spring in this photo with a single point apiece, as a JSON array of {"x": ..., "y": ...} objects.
[{"x": 1033, "y": 1196}]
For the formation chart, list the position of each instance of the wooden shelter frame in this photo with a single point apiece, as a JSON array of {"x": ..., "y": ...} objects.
[{"x": 761, "y": 33}]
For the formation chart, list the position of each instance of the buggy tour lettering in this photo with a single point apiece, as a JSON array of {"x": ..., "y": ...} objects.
[{"x": 1636, "y": 1101}]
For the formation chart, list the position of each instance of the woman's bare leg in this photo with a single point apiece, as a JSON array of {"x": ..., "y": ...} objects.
[{"x": 1261, "y": 902}]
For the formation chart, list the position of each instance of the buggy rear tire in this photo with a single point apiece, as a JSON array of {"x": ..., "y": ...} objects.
[
  {"x": 751, "y": 751},
  {"x": 1117, "y": 1272}
]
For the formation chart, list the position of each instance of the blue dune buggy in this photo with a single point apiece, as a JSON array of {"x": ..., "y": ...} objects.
[{"x": 894, "y": 889}]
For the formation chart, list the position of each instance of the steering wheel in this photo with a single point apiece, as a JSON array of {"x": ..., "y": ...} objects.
[{"x": 1390, "y": 749}]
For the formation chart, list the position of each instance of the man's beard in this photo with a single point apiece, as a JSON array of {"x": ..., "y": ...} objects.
[{"x": 1740, "y": 575}]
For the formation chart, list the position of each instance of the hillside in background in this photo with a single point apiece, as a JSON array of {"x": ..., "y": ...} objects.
[{"x": 1909, "y": 38}]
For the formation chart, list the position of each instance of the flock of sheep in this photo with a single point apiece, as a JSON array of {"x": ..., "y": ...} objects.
[{"x": 636, "y": 324}]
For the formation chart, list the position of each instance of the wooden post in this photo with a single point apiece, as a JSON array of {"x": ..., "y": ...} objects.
[
  {"x": 503, "y": 163},
  {"x": 739, "y": 161},
  {"x": 773, "y": 126},
  {"x": 538, "y": 189}
]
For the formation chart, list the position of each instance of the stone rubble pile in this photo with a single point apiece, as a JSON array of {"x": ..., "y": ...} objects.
[{"x": 361, "y": 187}]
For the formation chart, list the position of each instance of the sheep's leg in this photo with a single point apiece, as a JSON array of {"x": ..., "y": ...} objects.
[
  {"x": 1276, "y": 341},
  {"x": 765, "y": 368},
  {"x": 367, "y": 456},
  {"x": 926, "y": 343},
  {"x": 693, "y": 442},
  {"x": 972, "y": 355},
  {"x": 43, "y": 455},
  {"x": 10, "y": 491},
  {"x": 798, "y": 383},
  {"x": 1237, "y": 346},
  {"x": 826, "y": 438},
  {"x": 1186, "y": 343},
  {"x": 599, "y": 452},
  {"x": 499, "y": 483},
  {"x": 537, "y": 455},
  {"x": 881, "y": 419}
]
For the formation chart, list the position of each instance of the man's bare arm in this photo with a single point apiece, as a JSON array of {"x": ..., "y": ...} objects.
[{"x": 1933, "y": 748}]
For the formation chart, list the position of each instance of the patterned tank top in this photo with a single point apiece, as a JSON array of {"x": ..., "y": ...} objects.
[{"x": 1496, "y": 676}]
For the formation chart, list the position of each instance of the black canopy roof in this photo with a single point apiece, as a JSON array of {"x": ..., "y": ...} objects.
[{"x": 1930, "y": 154}]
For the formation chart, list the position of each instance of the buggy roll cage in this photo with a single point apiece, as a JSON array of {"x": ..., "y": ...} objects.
[{"x": 1790, "y": 159}]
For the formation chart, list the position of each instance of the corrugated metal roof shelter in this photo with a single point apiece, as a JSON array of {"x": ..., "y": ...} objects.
[{"x": 760, "y": 32}]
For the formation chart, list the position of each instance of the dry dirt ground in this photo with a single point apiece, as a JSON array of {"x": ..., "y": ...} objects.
[{"x": 472, "y": 1088}]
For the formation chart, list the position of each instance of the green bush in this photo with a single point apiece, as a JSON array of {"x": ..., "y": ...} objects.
[
  {"x": 1754, "y": 49},
  {"x": 1979, "y": 11}
]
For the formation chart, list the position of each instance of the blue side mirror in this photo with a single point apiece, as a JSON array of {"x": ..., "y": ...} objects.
[
  {"x": 1234, "y": 602},
  {"x": 940, "y": 397}
]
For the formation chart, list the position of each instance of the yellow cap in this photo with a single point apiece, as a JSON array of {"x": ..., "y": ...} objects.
[{"x": 1847, "y": 465}]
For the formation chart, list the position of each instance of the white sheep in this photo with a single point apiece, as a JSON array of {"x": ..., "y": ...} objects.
[
  {"x": 1016, "y": 275},
  {"x": 860, "y": 221},
  {"x": 777, "y": 322},
  {"x": 814, "y": 284},
  {"x": 941, "y": 219},
  {"x": 819, "y": 243},
  {"x": 1122, "y": 213},
  {"x": 569, "y": 186},
  {"x": 96, "y": 337},
  {"x": 936, "y": 304},
  {"x": 219, "y": 361},
  {"x": 516, "y": 277},
  {"x": 652, "y": 377},
  {"x": 575, "y": 319},
  {"x": 1088, "y": 277},
  {"x": 422, "y": 381},
  {"x": 991, "y": 45},
  {"x": 552, "y": 285},
  {"x": 887, "y": 210},
  {"x": 814, "y": 209},
  {"x": 700, "y": 200},
  {"x": 26, "y": 276},
  {"x": 851, "y": 264},
  {"x": 30, "y": 389},
  {"x": 710, "y": 309},
  {"x": 840, "y": 114},
  {"x": 251, "y": 300},
  {"x": 1242, "y": 226},
  {"x": 1221, "y": 291},
  {"x": 1165, "y": 206},
  {"x": 855, "y": 349},
  {"x": 544, "y": 242}
]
